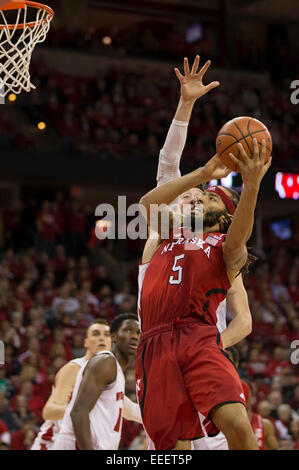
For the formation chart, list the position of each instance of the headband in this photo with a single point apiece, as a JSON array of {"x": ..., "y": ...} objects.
[{"x": 225, "y": 199}]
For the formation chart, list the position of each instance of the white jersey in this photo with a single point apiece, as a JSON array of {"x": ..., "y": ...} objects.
[
  {"x": 105, "y": 418},
  {"x": 50, "y": 429}
]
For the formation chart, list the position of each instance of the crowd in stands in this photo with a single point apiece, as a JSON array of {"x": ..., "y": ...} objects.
[
  {"x": 56, "y": 277},
  {"x": 123, "y": 113}
]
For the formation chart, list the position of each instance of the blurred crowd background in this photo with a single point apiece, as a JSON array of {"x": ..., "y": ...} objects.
[{"x": 55, "y": 275}]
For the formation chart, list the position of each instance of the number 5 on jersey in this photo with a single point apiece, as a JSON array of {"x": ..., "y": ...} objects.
[{"x": 177, "y": 279}]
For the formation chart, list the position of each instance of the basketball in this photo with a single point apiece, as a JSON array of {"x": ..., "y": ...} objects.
[{"x": 241, "y": 129}]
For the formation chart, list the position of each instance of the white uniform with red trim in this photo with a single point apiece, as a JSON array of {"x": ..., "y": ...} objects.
[
  {"x": 105, "y": 418},
  {"x": 50, "y": 429}
]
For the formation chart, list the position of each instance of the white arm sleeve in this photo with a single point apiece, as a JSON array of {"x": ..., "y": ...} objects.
[
  {"x": 131, "y": 411},
  {"x": 170, "y": 154}
]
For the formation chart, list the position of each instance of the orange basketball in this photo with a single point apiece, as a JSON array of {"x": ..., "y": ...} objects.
[{"x": 241, "y": 129}]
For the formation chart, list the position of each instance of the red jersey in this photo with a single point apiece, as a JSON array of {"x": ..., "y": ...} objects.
[
  {"x": 258, "y": 429},
  {"x": 186, "y": 277}
]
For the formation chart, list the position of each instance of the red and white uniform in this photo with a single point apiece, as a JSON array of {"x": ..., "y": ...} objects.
[
  {"x": 218, "y": 442},
  {"x": 258, "y": 429},
  {"x": 105, "y": 417},
  {"x": 185, "y": 278},
  {"x": 50, "y": 429},
  {"x": 180, "y": 360}
]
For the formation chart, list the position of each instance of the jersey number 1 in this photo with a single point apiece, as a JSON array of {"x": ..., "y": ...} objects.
[
  {"x": 177, "y": 269},
  {"x": 117, "y": 426}
]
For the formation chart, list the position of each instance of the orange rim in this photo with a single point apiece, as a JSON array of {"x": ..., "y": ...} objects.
[{"x": 15, "y": 5}]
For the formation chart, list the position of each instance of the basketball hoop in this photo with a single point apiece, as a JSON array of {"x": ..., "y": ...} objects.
[{"x": 17, "y": 42}]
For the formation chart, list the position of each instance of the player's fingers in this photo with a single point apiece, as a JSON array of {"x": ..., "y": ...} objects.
[
  {"x": 210, "y": 86},
  {"x": 243, "y": 155},
  {"x": 263, "y": 151},
  {"x": 186, "y": 67},
  {"x": 256, "y": 150},
  {"x": 204, "y": 69},
  {"x": 178, "y": 74},
  {"x": 195, "y": 65},
  {"x": 237, "y": 161}
]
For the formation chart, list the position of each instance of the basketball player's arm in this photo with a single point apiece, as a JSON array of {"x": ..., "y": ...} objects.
[
  {"x": 252, "y": 170},
  {"x": 270, "y": 438},
  {"x": 192, "y": 88},
  {"x": 100, "y": 372},
  {"x": 64, "y": 383},
  {"x": 238, "y": 307},
  {"x": 131, "y": 411},
  {"x": 163, "y": 195}
]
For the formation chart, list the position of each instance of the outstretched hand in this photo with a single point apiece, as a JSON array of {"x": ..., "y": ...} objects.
[{"x": 192, "y": 86}]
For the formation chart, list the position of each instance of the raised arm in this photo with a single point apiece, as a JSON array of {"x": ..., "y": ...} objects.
[
  {"x": 99, "y": 372},
  {"x": 192, "y": 88},
  {"x": 237, "y": 305},
  {"x": 252, "y": 170},
  {"x": 168, "y": 192},
  {"x": 64, "y": 383}
]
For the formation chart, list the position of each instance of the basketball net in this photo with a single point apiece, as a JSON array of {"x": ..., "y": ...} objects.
[{"x": 17, "y": 42}]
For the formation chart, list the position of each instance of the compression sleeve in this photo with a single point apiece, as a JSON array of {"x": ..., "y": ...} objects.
[{"x": 170, "y": 154}]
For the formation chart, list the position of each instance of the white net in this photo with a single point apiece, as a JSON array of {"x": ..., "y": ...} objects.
[{"x": 16, "y": 47}]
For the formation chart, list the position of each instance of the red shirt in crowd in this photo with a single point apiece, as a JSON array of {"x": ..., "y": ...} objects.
[
  {"x": 17, "y": 441},
  {"x": 47, "y": 225}
]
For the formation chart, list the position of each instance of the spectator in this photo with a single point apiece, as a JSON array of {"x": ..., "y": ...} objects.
[
  {"x": 45, "y": 222},
  {"x": 23, "y": 438},
  {"x": 70, "y": 303},
  {"x": 21, "y": 412},
  {"x": 78, "y": 349},
  {"x": 35, "y": 402},
  {"x": 275, "y": 399},
  {"x": 284, "y": 421},
  {"x": 6, "y": 415}
]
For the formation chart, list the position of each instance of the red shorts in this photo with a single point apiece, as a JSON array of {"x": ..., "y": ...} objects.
[{"x": 181, "y": 369}]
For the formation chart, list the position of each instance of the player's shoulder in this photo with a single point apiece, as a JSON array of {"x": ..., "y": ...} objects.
[
  {"x": 103, "y": 366},
  {"x": 69, "y": 367},
  {"x": 102, "y": 360},
  {"x": 67, "y": 373}
]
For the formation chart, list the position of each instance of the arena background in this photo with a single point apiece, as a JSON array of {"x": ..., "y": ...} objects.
[{"x": 92, "y": 130}]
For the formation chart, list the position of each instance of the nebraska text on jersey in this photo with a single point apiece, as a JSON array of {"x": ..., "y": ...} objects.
[{"x": 198, "y": 242}]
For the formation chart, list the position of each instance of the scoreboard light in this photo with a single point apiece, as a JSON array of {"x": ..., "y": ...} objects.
[{"x": 287, "y": 185}]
